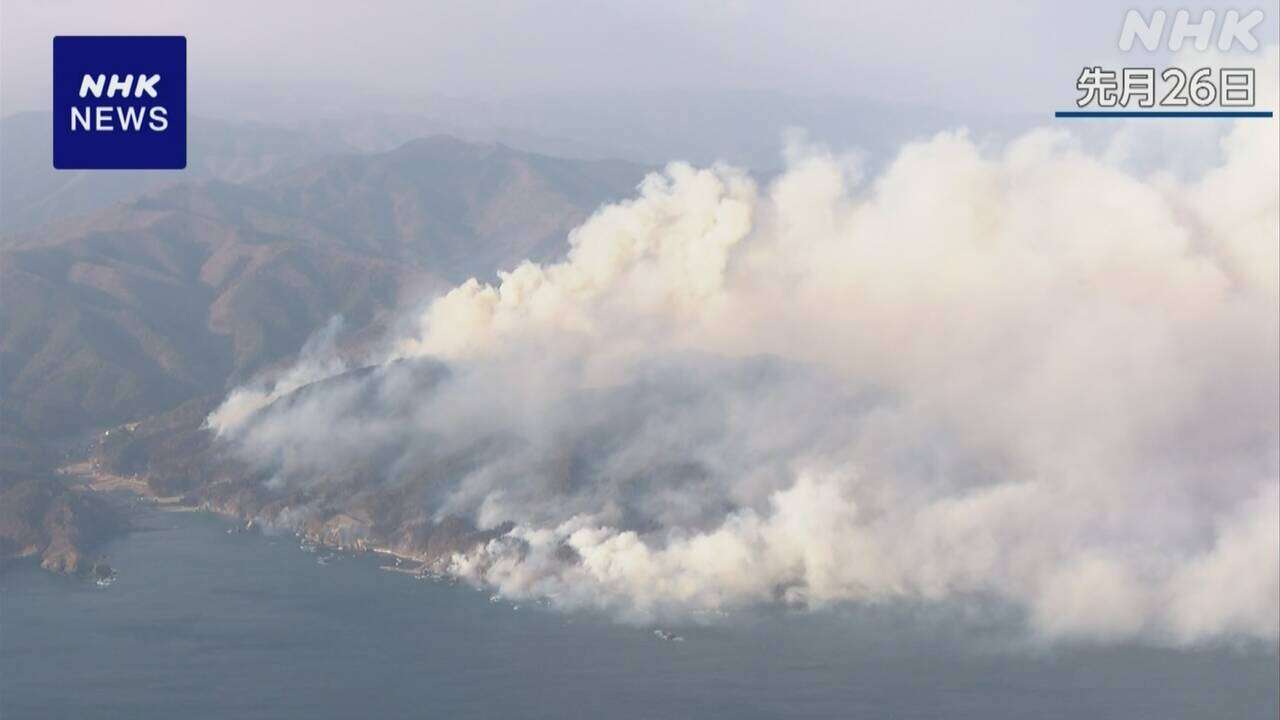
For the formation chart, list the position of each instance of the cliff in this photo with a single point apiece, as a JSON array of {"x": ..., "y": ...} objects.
[{"x": 60, "y": 525}]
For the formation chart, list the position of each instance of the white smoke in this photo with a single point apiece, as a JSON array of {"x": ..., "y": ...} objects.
[
  {"x": 318, "y": 359},
  {"x": 1028, "y": 374}
]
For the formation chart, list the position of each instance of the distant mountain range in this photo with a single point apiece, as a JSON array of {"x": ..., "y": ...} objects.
[
  {"x": 180, "y": 291},
  {"x": 744, "y": 128},
  {"x": 32, "y": 193}
]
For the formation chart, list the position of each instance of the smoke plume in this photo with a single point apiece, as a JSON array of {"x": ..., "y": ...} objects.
[{"x": 1027, "y": 374}]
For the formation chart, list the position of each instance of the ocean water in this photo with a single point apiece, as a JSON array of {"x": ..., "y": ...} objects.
[{"x": 202, "y": 624}]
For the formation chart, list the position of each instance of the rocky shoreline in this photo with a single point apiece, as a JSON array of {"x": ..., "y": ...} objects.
[
  {"x": 60, "y": 526},
  {"x": 418, "y": 547}
]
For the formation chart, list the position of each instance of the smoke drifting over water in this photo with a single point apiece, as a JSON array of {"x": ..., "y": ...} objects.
[{"x": 1026, "y": 374}]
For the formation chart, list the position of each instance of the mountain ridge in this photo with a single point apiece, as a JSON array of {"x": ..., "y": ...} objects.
[{"x": 162, "y": 302}]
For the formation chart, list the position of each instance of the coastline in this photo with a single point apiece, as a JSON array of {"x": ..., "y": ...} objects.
[{"x": 88, "y": 476}]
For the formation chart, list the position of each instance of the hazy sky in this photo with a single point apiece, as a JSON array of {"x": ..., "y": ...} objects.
[{"x": 990, "y": 56}]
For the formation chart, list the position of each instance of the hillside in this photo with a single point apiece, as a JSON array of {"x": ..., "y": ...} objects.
[
  {"x": 195, "y": 287},
  {"x": 155, "y": 306}
]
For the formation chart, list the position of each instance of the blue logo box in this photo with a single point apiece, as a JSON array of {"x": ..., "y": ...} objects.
[{"x": 119, "y": 102}]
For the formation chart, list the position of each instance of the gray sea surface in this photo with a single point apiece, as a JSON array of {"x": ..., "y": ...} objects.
[{"x": 204, "y": 624}]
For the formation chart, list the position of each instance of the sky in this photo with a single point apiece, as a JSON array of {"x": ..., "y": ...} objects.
[{"x": 250, "y": 59}]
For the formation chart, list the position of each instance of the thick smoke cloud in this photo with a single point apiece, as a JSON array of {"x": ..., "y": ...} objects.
[{"x": 1024, "y": 373}]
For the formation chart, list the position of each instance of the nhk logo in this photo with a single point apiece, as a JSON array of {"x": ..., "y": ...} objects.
[
  {"x": 119, "y": 102},
  {"x": 107, "y": 117},
  {"x": 1234, "y": 29}
]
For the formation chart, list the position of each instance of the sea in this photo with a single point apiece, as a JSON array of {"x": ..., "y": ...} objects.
[{"x": 200, "y": 623}]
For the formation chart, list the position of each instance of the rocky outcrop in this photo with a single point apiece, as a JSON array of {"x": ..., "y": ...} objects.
[{"x": 60, "y": 525}]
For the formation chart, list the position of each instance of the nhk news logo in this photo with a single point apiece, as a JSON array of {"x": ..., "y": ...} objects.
[{"x": 119, "y": 102}]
